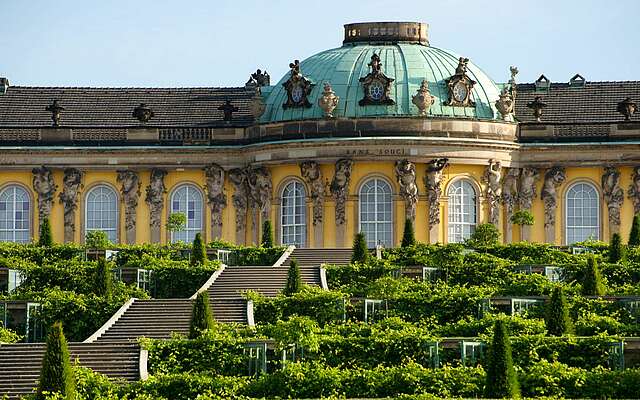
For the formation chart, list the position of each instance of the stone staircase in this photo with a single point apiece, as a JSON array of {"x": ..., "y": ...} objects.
[
  {"x": 317, "y": 257},
  {"x": 20, "y": 363}
]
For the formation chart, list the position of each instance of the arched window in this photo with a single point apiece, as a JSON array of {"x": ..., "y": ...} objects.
[
  {"x": 582, "y": 213},
  {"x": 187, "y": 199},
  {"x": 294, "y": 215},
  {"x": 101, "y": 211},
  {"x": 15, "y": 215},
  {"x": 376, "y": 217},
  {"x": 463, "y": 212}
]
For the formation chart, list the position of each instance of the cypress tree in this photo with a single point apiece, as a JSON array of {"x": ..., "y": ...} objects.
[
  {"x": 198, "y": 251},
  {"x": 634, "y": 235},
  {"x": 616, "y": 251},
  {"x": 501, "y": 381},
  {"x": 592, "y": 284},
  {"x": 294, "y": 280},
  {"x": 201, "y": 316},
  {"x": 360, "y": 250},
  {"x": 46, "y": 238},
  {"x": 408, "y": 236},
  {"x": 103, "y": 285},
  {"x": 56, "y": 375},
  {"x": 267, "y": 234},
  {"x": 557, "y": 317}
]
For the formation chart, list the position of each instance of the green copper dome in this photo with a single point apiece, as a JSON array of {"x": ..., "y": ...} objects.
[{"x": 407, "y": 62}]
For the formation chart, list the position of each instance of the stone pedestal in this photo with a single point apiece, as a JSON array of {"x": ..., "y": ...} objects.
[
  {"x": 340, "y": 234},
  {"x": 318, "y": 236},
  {"x": 525, "y": 233},
  {"x": 433, "y": 233}
]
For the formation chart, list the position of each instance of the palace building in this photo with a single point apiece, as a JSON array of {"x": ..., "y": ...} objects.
[{"x": 360, "y": 137}]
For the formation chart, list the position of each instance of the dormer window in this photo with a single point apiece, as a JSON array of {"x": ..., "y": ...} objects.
[
  {"x": 542, "y": 84},
  {"x": 577, "y": 81}
]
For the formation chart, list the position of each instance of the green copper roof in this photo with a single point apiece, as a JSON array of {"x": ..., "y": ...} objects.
[{"x": 407, "y": 63}]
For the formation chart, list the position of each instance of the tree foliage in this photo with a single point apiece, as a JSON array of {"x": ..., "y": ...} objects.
[
  {"x": 198, "y": 251},
  {"x": 360, "y": 251},
  {"x": 56, "y": 375},
  {"x": 616, "y": 250},
  {"x": 46, "y": 237},
  {"x": 485, "y": 235},
  {"x": 176, "y": 222},
  {"x": 97, "y": 240},
  {"x": 557, "y": 318},
  {"x": 103, "y": 283},
  {"x": 592, "y": 284},
  {"x": 522, "y": 217},
  {"x": 501, "y": 379},
  {"x": 408, "y": 236},
  {"x": 201, "y": 316},
  {"x": 294, "y": 279},
  {"x": 634, "y": 235},
  {"x": 267, "y": 234}
]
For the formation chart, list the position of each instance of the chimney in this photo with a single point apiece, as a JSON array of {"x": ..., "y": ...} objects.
[{"x": 4, "y": 85}]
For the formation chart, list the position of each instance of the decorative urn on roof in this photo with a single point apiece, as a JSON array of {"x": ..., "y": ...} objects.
[
  {"x": 328, "y": 101},
  {"x": 627, "y": 107},
  {"x": 423, "y": 99},
  {"x": 505, "y": 103}
]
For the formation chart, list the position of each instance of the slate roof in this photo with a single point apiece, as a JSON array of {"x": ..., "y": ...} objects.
[
  {"x": 594, "y": 102},
  {"x": 24, "y": 106}
]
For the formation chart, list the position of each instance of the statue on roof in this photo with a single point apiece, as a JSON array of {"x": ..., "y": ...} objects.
[{"x": 259, "y": 79}]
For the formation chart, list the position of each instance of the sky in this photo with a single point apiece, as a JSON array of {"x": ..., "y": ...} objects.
[{"x": 188, "y": 43}]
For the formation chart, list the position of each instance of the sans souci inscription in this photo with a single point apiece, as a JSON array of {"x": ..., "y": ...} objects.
[{"x": 377, "y": 152}]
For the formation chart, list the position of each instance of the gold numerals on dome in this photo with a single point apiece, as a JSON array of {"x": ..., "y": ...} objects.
[
  {"x": 460, "y": 86},
  {"x": 298, "y": 88},
  {"x": 376, "y": 85}
]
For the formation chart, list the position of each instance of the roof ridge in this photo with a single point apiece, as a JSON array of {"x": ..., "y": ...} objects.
[
  {"x": 129, "y": 87},
  {"x": 567, "y": 83}
]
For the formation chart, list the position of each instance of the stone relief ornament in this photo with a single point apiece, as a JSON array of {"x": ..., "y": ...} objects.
[
  {"x": 432, "y": 182},
  {"x": 260, "y": 189},
  {"x": 423, "y": 99},
  {"x": 537, "y": 105},
  {"x": 130, "y": 191},
  {"x": 553, "y": 178},
  {"x": 310, "y": 171},
  {"x": 71, "y": 185},
  {"x": 240, "y": 198},
  {"x": 56, "y": 112},
  {"x": 45, "y": 187},
  {"x": 492, "y": 177},
  {"x": 155, "y": 196},
  {"x": 460, "y": 86},
  {"x": 143, "y": 113},
  {"x": 528, "y": 179},
  {"x": 298, "y": 88},
  {"x": 634, "y": 190},
  {"x": 216, "y": 198},
  {"x": 627, "y": 107},
  {"x": 612, "y": 193},
  {"x": 406, "y": 176},
  {"x": 328, "y": 101},
  {"x": 505, "y": 103},
  {"x": 376, "y": 85},
  {"x": 510, "y": 191},
  {"x": 340, "y": 187}
]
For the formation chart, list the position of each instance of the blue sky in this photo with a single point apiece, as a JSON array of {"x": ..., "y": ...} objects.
[{"x": 219, "y": 42}]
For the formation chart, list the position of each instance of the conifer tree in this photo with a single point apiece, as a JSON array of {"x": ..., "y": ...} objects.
[
  {"x": 360, "y": 251},
  {"x": 557, "y": 318},
  {"x": 267, "y": 234},
  {"x": 294, "y": 279},
  {"x": 501, "y": 380},
  {"x": 592, "y": 283},
  {"x": 408, "y": 236},
  {"x": 616, "y": 250},
  {"x": 103, "y": 285},
  {"x": 634, "y": 235},
  {"x": 198, "y": 251},
  {"x": 46, "y": 238},
  {"x": 56, "y": 375},
  {"x": 201, "y": 316}
]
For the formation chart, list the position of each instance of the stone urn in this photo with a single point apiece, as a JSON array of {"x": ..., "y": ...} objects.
[
  {"x": 328, "y": 101},
  {"x": 423, "y": 99},
  {"x": 504, "y": 104},
  {"x": 256, "y": 104}
]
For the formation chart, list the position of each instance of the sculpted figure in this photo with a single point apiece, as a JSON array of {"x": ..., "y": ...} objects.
[
  {"x": 634, "y": 190},
  {"x": 432, "y": 181},
  {"x": 406, "y": 175},
  {"x": 310, "y": 171},
  {"x": 130, "y": 191},
  {"x": 260, "y": 186},
  {"x": 45, "y": 187},
  {"x": 553, "y": 178},
  {"x": 612, "y": 193},
  {"x": 72, "y": 183},
  {"x": 491, "y": 177},
  {"x": 155, "y": 196},
  {"x": 340, "y": 187},
  {"x": 528, "y": 179},
  {"x": 510, "y": 190},
  {"x": 240, "y": 198},
  {"x": 215, "y": 196}
]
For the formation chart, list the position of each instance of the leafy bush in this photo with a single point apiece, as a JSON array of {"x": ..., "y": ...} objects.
[
  {"x": 360, "y": 252},
  {"x": 45, "y": 238},
  {"x": 294, "y": 280},
  {"x": 355, "y": 277},
  {"x": 103, "y": 283},
  {"x": 198, "y": 251},
  {"x": 201, "y": 316},
  {"x": 408, "y": 236},
  {"x": 97, "y": 240},
  {"x": 484, "y": 235},
  {"x": 56, "y": 375},
  {"x": 634, "y": 235},
  {"x": 267, "y": 234},
  {"x": 9, "y": 336},
  {"x": 501, "y": 378},
  {"x": 616, "y": 250},
  {"x": 522, "y": 217},
  {"x": 592, "y": 283},
  {"x": 557, "y": 318},
  {"x": 176, "y": 222}
]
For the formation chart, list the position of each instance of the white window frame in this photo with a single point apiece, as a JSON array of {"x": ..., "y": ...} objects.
[
  {"x": 380, "y": 225},
  {"x": 112, "y": 233},
  {"x": 190, "y": 230},
  {"x": 15, "y": 279},
  {"x": 11, "y": 219},
  {"x": 570, "y": 237},
  {"x": 144, "y": 279},
  {"x": 299, "y": 229},
  {"x": 457, "y": 218},
  {"x": 372, "y": 307}
]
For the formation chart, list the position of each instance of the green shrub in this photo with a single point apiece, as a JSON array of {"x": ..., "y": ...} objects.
[
  {"x": 201, "y": 316},
  {"x": 592, "y": 284},
  {"x": 198, "y": 251},
  {"x": 408, "y": 236},
  {"x": 103, "y": 283},
  {"x": 267, "y": 234},
  {"x": 522, "y": 218},
  {"x": 9, "y": 336},
  {"x": 485, "y": 235},
  {"x": 97, "y": 240},
  {"x": 501, "y": 379},
  {"x": 356, "y": 277},
  {"x": 634, "y": 234},
  {"x": 294, "y": 279},
  {"x": 360, "y": 250},
  {"x": 176, "y": 222},
  {"x": 46, "y": 237},
  {"x": 557, "y": 318},
  {"x": 616, "y": 250},
  {"x": 56, "y": 375}
]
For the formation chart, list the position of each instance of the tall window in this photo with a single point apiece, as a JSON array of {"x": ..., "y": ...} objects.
[
  {"x": 102, "y": 211},
  {"x": 583, "y": 213},
  {"x": 376, "y": 212},
  {"x": 15, "y": 215},
  {"x": 187, "y": 199},
  {"x": 463, "y": 213},
  {"x": 294, "y": 214}
]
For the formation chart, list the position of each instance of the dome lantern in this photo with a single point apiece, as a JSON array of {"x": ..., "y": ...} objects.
[{"x": 386, "y": 32}]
